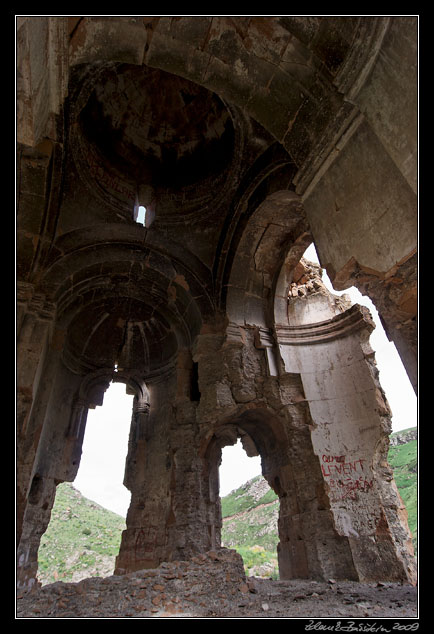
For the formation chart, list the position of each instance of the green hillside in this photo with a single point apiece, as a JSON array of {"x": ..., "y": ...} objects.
[
  {"x": 244, "y": 499},
  {"x": 82, "y": 539},
  {"x": 250, "y": 515},
  {"x": 403, "y": 460}
]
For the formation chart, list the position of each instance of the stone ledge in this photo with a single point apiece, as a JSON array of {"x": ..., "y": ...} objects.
[{"x": 352, "y": 320}]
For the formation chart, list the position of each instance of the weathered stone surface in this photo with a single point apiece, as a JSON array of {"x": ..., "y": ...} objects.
[
  {"x": 213, "y": 586},
  {"x": 245, "y": 138}
]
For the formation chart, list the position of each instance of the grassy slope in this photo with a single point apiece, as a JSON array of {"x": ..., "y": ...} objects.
[
  {"x": 403, "y": 460},
  {"x": 240, "y": 500},
  {"x": 250, "y": 526},
  {"x": 82, "y": 539}
]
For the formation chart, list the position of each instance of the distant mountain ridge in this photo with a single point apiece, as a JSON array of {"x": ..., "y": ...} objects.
[
  {"x": 404, "y": 436},
  {"x": 250, "y": 514}
]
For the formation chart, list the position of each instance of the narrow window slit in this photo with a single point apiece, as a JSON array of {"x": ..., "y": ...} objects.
[{"x": 141, "y": 216}]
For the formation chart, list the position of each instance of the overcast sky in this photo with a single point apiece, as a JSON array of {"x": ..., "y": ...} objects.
[{"x": 101, "y": 473}]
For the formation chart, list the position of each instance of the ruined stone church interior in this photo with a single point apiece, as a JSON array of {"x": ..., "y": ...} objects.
[{"x": 171, "y": 173}]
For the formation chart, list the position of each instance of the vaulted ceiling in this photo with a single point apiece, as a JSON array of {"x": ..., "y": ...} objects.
[{"x": 200, "y": 119}]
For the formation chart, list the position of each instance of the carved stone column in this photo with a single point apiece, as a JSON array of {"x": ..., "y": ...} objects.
[
  {"x": 34, "y": 328},
  {"x": 38, "y": 511},
  {"x": 148, "y": 475},
  {"x": 242, "y": 397},
  {"x": 35, "y": 354}
]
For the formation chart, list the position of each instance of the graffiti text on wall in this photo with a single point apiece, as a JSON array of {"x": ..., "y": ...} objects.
[{"x": 345, "y": 478}]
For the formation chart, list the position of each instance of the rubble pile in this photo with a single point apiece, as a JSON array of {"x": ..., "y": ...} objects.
[
  {"x": 306, "y": 279},
  {"x": 213, "y": 585}
]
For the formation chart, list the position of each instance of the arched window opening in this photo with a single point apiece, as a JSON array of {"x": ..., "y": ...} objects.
[
  {"x": 83, "y": 537},
  {"x": 141, "y": 216},
  {"x": 144, "y": 215},
  {"x": 392, "y": 375},
  {"x": 250, "y": 511}
]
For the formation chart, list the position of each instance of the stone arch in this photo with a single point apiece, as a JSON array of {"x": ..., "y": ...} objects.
[
  {"x": 91, "y": 394},
  {"x": 307, "y": 89},
  {"x": 325, "y": 340},
  {"x": 161, "y": 301},
  {"x": 305, "y": 525},
  {"x": 276, "y": 225},
  {"x": 329, "y": 119},
  {"x": 351, "y": 140},
  {"x": 68, "y": 423},
  {"x": 216, "y": 46}
]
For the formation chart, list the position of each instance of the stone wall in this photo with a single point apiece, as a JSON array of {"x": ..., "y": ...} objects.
[
  {"x": 350, "y": 429},
  {"x": 335, "y": 503},
  {"x": 270, "y": 132}
]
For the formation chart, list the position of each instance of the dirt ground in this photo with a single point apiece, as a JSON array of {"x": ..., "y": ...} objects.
[{"x": 214, "y": 586}]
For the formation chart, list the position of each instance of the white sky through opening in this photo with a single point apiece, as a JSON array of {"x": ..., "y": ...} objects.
[
  {"x": 102, "y": 467},
  {"x": 101, "y": 473},
  {"x": 236, "y": 468},
  {"x": 141, "y": 215},
  {"x": 393, "y": 377}
]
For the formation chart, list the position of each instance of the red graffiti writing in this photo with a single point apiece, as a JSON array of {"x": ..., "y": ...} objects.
[
  {"x": 348, "y": 489},
  {"x": 326, "y": 458},
  {"x": 343, "y": 468},
  {"x": 345, "y": 478}
]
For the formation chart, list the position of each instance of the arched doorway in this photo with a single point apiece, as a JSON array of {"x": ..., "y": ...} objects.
[
  {"x": 88, "y": 516},
  {"x": 105, "y": 445},
  {"x": 286, "y": 455},
  {"x": 250, "y": 512}
]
